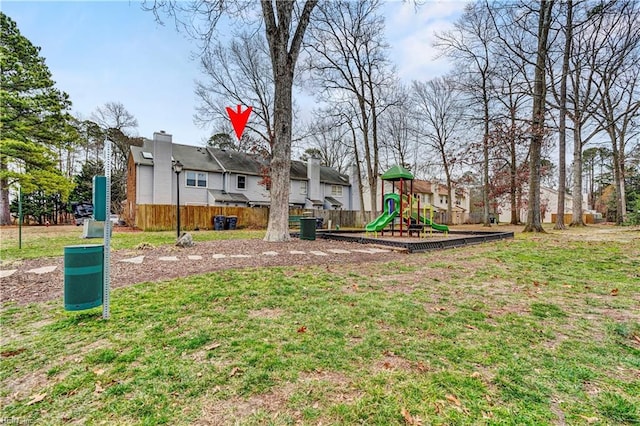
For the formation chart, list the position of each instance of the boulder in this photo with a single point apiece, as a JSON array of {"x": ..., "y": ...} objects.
[{"x": 185, "y": 240}]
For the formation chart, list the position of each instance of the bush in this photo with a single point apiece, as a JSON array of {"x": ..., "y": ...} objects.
[{"x": 634, "y": 216}]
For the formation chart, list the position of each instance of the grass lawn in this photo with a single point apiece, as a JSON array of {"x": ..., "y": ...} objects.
[
  {"x": 543, "y": 329},
  {"x": 38, "y": 241}
]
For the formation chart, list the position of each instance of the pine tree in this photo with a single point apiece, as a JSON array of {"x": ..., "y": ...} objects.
[{"x": 34, "y": 120}]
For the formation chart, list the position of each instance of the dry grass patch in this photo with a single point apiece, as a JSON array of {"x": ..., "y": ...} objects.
[
  {"x": 284, "y": 403},
  {"x": 266, "y": 313}
]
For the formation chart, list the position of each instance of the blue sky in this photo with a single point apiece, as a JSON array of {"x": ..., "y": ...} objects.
[{"x": 114, "y": 51}]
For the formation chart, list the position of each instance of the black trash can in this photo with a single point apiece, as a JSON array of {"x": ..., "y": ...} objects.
[
  {"x": 308, "y": 228},
  {"x": 218, "y": 223},
  {"x": 231, "y": 222},
  {"x": 83, "y": 276},
  {"x": 319, "y": 222}
]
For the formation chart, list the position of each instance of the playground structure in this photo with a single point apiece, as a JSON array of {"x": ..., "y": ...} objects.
[{"x": 406, "y": 207}]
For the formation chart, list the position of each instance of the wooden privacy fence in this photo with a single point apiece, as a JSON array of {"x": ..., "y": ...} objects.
[
  {"x": 587, "y": 218},
  {"x": 162, "y": 217}
]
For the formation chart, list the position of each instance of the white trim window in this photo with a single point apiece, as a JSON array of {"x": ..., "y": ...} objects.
[
  {"x": 303, "y": 187},
  {"x": 241, "y": 182},
  {"x": 196, "y": 179},
  {"x": 336, "y": 190}
]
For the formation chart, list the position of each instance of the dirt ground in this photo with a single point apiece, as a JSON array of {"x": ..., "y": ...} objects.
[{"x": 24, "y": 287}]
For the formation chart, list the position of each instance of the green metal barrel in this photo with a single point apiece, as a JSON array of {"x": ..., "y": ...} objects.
[
  {"x": 83, "y": 276},
  {"x": 308, "y": 228}
]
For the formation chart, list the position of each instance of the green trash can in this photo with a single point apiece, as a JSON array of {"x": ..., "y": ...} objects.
[
  {"x": 83, "y": 276},
  {"x": 307, "y": 228}
]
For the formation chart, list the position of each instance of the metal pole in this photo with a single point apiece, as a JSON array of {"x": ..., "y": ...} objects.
[
  {"x": 106, "y": 295},
  {"x": 178, "y": 204},
  {"x": 20, "y": 218}
]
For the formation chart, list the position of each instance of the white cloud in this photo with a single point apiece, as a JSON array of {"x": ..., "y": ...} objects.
[{"x": 410, "y": 32}]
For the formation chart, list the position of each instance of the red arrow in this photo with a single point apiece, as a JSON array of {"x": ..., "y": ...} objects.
[{"x": 239, "y": 119}]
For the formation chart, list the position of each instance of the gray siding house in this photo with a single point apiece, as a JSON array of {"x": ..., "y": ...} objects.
[{"x": 215, "y": 177}]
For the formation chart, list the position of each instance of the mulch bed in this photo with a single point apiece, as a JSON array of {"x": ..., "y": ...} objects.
[{"x": 23, "y": 288}]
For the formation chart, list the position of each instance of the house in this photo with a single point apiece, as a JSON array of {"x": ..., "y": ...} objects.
[
  {"x": 548, "y": 203},
  {"x": 436, "y": 195},
  {"x": 218, "y": 177}
]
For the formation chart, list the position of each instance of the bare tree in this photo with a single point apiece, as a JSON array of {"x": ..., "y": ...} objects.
[
  {"x": 582, "y": 94},
  {"x": 329, "y": 140},
  {"x": 562, "y": 124},
  {"x": 285, "y": 24},
  {"x": 619, "y": 88},
  {"x": 441, "y": 113},
  {"x": 347, "y": 57},
  {"x": 523, "y": 31},
  {"x": 469, "y": 45},
  {"x": 119, "y": 125},
  {"x": 395, "y": 126},
  {"x": 534, "y": 220},
  {"x": 239, "y": 74}
]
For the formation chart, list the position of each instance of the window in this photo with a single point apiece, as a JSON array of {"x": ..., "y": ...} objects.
[
  {"x": 241, "y": 182},
  {"x": 197, "y": 179},
  {"x": 336, "y": 190},
  {"x": 303, "y": 187}
]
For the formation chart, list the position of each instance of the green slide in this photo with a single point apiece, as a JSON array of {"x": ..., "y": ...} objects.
[
  {"x": 437, "y": 227},
  {"x": 381, "y": 221}
]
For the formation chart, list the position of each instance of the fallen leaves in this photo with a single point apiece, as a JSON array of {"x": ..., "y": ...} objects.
[
  {"x": 453, "y": 399},
  {"x": 614, "y": 292},
  {"x": 409, "y": 419},
  {"x": 475, "y": 375},
  {"x": 422, "y": 367},
  {"x": 590, "y": 420},
  {"x": 471, "y": 327},
  {"x": 235, "y": 371},
  {"x": 37, "y": 398},
  {"x": 7, "y": 354},
  {"x": 99, "y": 389},
  {"x": 213, "y": 346},
  {"x": 302, "y": 329}
]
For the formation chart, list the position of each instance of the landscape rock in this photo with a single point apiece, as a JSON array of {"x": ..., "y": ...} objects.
[{"x": 185, "y": 240}]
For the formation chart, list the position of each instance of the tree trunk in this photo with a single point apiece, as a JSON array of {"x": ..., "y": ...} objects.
[
  {"x": 450, "y": 202},
  {"x": 278, "y": 228},
  {"x": 534, "y": 221},
  {"x": 5, "y": 212},
  {"x": 374, "y": 134},
  {"x": 562, "y": 160},
  {"x": 485, "y": 158},
  {"x": 356, "y": 157},
  {"x": 592, "y": 190},
  {"x": 513, "y": 190},
  {"x": 513, "y": 169},
  {"x": 621, "y": 183},
  {"x": 283, "y": 60},
  {"x": 577, "y": 179},
  {"x": 616, "y": 180}
]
